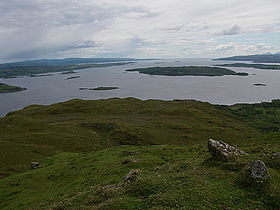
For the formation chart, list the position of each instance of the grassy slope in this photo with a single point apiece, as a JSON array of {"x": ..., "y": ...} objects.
[
  {"x": 170, "y": 177},
  {"x": 84, "y": 126},
  {"x": 263, "y": 116},
  {"x": 178, "y": 176}
]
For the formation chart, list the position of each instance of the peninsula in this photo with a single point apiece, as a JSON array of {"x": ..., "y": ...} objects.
[
  {"x": 255, "y": 66},
  {"x": 13, "y": 70},
  {"x": 4, "y": 88}
]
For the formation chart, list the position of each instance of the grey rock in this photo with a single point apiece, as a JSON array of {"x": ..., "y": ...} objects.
[
  {"x": 127, "y": 161},
  {"x": 222, "y": 151},
  {"x": 131, "y": 175},
  {"x": 255, "y": 174},
  {"x": 258, "y": 170},
  {"x": 34, "y": 165}
]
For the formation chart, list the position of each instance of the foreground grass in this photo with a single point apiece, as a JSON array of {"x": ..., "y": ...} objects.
[
  {"x": 169, "y": 177},
  {"x": 84, "y": 126}
]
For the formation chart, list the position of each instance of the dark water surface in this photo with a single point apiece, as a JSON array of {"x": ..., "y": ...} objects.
[{"x": 218, "y": 90}]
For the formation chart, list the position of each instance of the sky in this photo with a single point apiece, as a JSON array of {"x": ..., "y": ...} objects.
[{"x": 34, "y": 29}]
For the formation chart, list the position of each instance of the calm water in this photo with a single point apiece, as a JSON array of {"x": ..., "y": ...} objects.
[{"x": 217, "y": 90}]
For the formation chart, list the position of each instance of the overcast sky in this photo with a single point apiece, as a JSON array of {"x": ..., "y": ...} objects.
[{"x": 32, "y": 29}]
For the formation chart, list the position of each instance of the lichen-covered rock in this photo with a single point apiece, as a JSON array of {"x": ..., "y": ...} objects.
[
  {"x": 222, "y": 151},
  {"x": 34, "y": 165},
  {"x": 255, "y": 174},
  {"x": 258, "y": 170}
]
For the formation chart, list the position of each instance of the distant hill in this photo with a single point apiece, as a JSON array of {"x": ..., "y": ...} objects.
[
  {"x": 65, "y": 61},
  {"x": 33, "y": 67},
  {"x": 264, "y": 58}
]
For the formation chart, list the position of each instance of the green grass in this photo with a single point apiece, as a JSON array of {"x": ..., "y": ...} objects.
[
  {"x": 170, "y": 177},
  {"x": 83, "y": 126},
  {"x": 188, "y": 71},
  {"x": 4, "y": 88},
  {"x": 263, "y": 116}
]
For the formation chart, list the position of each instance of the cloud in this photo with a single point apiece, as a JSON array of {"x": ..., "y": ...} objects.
[
  {"x": 31, "y": 29},
  {"x": 234, "y": 30}
]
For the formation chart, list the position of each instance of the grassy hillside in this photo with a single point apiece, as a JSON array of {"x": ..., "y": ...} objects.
[
  {"x": 84, "y": 126},
  {"x": 87, "y": 149},
  {"x": 168, "y": 177},
  {"x": 263, "y": 116}
]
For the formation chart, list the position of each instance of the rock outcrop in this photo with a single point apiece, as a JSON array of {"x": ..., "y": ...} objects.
[{"x": 222, "y": 151}]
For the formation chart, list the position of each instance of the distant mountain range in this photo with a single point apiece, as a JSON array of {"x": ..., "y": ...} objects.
[
  {"x": 263, "y": 58},
  {"x": 65, "y": 62}
]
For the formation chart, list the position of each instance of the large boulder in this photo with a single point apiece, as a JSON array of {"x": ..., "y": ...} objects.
[{"x": 222, "y": 151}]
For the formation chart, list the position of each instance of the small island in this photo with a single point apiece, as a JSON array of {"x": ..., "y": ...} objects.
[
  {"x": 188, "y": 71},
  {"x": 100, "y": 88},
  {"x": 255, "y": 66},
  {"x": 260, "y": 84},
  {"x": 76, "y": 77},
  {"x": 40, "y": 75},
  {"x": 4, "y": 88},
  {"x": 68, "y": 72}
]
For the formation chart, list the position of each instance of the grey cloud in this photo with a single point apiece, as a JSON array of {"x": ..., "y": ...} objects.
[
  {"x": 173, "y": 28},
  {"x": 35, "y": 28},
  {"x": 47, "y": 28},
  {"x": 234, "y": 30}
]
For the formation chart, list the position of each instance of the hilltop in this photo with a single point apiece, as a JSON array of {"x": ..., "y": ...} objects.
[
  {"x": 83, "y": 126},
  {"x": 89, "y": 149}
]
